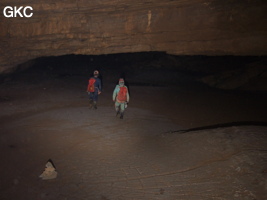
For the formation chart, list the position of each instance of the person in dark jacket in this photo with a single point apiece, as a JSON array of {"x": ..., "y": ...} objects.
[{"x": 94, "y": 89}]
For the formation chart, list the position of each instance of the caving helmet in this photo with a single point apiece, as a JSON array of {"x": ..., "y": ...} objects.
[{"x": 96, "y": 73}]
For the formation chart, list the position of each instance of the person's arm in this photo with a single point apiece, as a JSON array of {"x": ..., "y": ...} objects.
[
  {"x": 128, "y": 97},
  {"x": 87, "y": 87},
  {"x": 99, "y": 85},
  {"x": 115, "y": 93}
]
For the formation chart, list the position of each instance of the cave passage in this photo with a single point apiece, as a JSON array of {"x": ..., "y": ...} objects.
[
  {"x": 45, "y": 116},
  {"x": 175, "y": 86}
]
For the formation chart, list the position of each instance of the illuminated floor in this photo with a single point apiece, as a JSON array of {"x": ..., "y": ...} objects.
[{"x": 99, "y": 156}]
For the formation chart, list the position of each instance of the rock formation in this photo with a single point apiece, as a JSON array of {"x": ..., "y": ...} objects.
[
  {"x": 178, "y": 27},
  {"x": 49, "y": 172}
]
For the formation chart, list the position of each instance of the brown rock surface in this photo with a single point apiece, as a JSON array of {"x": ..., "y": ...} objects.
[
  {"x": 146, "y": 156},
  {"x": 192, "y": 27}
]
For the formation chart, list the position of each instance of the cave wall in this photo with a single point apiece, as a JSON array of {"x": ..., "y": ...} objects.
[{"x": 179, "y": 27}]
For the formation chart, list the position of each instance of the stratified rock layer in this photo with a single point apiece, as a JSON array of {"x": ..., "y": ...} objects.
[{"x": 181, "y": 27}]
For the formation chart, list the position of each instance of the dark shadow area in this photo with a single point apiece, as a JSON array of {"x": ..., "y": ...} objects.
[
  {"x": 195, "y": 91},
  {"x": 235, "y": 73},
  {"x": 225, "y": 125}
]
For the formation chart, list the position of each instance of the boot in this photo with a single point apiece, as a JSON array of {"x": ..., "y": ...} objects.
[
  {"x": 95, "y": 107},
  {"x": 121, "y": 117}
]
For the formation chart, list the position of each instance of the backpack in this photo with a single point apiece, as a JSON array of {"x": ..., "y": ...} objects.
[
  {"x": 122, "y": 94},
  {"x": 91, "y": 85}
]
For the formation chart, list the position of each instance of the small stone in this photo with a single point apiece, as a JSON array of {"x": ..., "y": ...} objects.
[{"x": 49, "y": 173}]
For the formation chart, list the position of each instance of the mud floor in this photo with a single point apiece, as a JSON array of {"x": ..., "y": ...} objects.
[{"x": 176, "y": 142}]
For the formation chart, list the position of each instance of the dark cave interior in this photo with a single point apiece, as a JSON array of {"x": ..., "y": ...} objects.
[
  {"x": 175, "y": 119},
  {"x": 195, "y": 124},
  {"x": 147, "y": 68},
  {"x": 232, "y": 83}
]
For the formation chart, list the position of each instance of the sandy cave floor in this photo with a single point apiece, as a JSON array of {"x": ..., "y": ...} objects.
[{"x": 144, "y": 156}]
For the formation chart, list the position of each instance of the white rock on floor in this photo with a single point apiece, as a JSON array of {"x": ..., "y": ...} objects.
[{"x": 49, "y": 172}]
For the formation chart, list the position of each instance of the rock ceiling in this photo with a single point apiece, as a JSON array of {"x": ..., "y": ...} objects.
[{"x": 179, "y": 27}]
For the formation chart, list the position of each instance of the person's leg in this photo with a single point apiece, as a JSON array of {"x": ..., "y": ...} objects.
[
  {"x": 95, "y": 99},
  {"x": 122, "y": 105},
  {"x": 117, "y": 108},
  {"x": 91, "y": 96}
]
